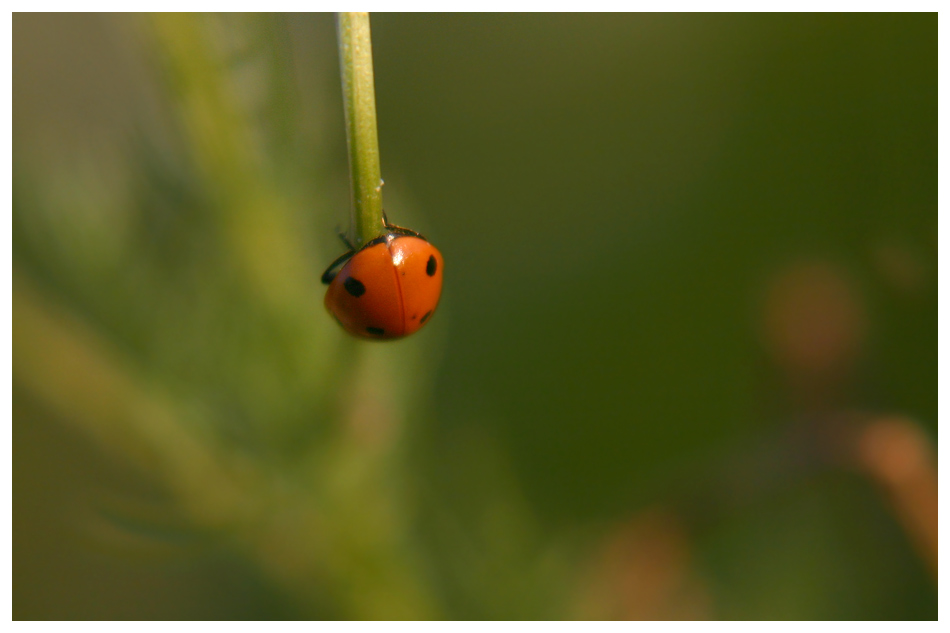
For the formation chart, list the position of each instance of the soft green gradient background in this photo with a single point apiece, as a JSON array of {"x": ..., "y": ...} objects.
[{"x": 613, "y": 194}]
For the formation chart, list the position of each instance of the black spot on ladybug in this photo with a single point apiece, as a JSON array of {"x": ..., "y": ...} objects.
[
  {"x": 354, "y": 286},
  {"x": 378, "y": 331},
  {"x": 425, "y": 317},
  {"x": 415, "y": 316},
  {"x": 431, "y": 266}
]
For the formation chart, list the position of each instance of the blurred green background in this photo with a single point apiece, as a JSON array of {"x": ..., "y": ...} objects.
[{"x": 690, "y": 260}]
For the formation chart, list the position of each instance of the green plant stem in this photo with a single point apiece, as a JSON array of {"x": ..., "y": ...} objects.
[{"x": 359, "y": 105}]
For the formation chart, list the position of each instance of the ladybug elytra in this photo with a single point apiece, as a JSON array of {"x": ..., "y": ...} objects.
[{"x": 387, "y": 289}]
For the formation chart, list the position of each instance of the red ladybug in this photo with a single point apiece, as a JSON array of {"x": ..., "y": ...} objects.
[{"x": 389, "y": 288}]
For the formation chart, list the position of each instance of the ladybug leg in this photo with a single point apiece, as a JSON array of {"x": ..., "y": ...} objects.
[
  {"x": 331, "y": 271},
  {"x": 401, "y": 230},
  {"x": 343, "y": 237}
]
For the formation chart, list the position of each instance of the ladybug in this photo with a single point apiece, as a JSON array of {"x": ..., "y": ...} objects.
[{"x": 387, "y": 289}]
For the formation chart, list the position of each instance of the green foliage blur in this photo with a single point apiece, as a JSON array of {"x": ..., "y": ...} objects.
[{"x": 685, "y": 256}]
